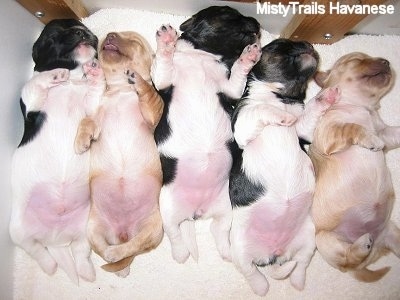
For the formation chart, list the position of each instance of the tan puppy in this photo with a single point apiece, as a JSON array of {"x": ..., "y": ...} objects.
[
  {"x": 125, "y": 173},
  {"x": 354, "y": 192}
]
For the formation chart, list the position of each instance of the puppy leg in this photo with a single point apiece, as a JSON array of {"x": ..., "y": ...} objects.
[
  {"x": 150, "y": 103},
  {"x": 392, "y": 238},
  {"x": 340, "y": 254},
  {"x": 252, "y": 119},
  {"x": 341, "y": 136},
  {"x": 35, "y": 91},
  {"x": 147, "y": 238},
  {"x": 97, "y": 86},
  {"x": 172, "y": 218},
  {"x": 39, "y": 253},
  {"x": 236, "y": 83},
  {"x": 305, "y": 242},
  {"x": 81, "y": 252},
  {"x": 313, "y": 110},
  {"x": 87, "y": 132},
  {"x": 221, "y": 224},
  {"x": 162, "y": 67}
]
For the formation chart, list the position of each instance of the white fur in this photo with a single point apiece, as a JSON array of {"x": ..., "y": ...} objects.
[
  {"x": 268, "y": 131},
  {"x": 49, "y": 179}
]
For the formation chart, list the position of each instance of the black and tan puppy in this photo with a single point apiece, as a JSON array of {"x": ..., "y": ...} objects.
[{"x": 50, "y": 182}]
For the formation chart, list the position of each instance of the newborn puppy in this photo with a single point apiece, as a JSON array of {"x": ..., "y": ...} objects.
[
  {"x": 354, "y": 191},
  {"x": 197, "y": 75},
  {"x": 50, "y": 183},
  {"x": 272, "y": 179},
  {"x": 125, "y": 171}
]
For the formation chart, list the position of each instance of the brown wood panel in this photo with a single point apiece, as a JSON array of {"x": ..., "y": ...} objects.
[{"x": 55, "y": 9}]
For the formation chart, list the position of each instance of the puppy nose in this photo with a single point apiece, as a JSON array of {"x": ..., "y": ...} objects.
[
  {"x": 111, "y": 36},
  {"x": 384, "y": 62}
]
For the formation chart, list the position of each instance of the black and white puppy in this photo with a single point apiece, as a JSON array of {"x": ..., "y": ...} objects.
[
  {"x": 272, "y": 179},
  {"x": 50, "y": 183},
  {"x": 197, "y": 74}
]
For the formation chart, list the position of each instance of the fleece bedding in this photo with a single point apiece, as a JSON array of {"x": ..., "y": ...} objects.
[{"x": 156, "y": 275}]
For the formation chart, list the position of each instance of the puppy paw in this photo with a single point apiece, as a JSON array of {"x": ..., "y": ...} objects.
[
  {"x": 88, "y": 131},
  {"x": 285, "y": 119},
  {"x": 86, "y": 271},
  {"x": 112, "y": 254},
  {"x": 124, "y": 272},
  {"x": 180, "y": 253},
  {"x": 360, "y": 249},
  {"x": 250, "y": 56},
  {"x": 53, "y": 78},
  {"x": 259, "y": 284},
  {"x": 93, "y": 72},
  {"x": 166, "y": 38},
  {"x": 372, "y": 142}
]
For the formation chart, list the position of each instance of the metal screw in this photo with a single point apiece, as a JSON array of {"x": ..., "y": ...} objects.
[
  {"x": 328, "y": 36},
  {"x": 39, "y": 14}
]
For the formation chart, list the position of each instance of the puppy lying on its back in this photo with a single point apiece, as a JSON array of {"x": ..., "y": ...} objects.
[
  {"x": 125, "y": 171},
  {"x": 50, "y": 183},
  {"x": 272, "y": 179},
  {"x": 197, "y": 74},
  {"x": 354, "y": 192}
]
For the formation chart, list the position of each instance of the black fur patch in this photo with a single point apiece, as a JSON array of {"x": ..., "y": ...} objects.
[
  {"x": 168, "y": 165},
  {"x": 303, "y": 143},
  {"x": 227, "y": 103},
  {"x": 33, "y": 122},
  {"x": 221, "y": 30},
  {"x": 242, "y": 191},
  {"x": 163, "y": 130}
]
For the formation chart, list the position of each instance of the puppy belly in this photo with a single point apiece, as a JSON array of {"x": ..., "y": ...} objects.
[
  {"x": 199, "y": 180},
  {"x": 272, "y": 226},
  {"x": 123, "y": 203},
  {"x": 55, "y": 208}
]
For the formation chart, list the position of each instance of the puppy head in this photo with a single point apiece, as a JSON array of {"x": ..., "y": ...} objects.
[
  {"x": 121, "y": 51},
  {"x": 221, "y": 30},
  {"x": 362, "y": 79},
  {"x": 64, "y": 43},
  {"x": 289, "y": 63}
]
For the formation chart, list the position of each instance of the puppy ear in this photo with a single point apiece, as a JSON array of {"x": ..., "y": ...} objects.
[
  {"x": 187, "y": 24},
  {"x": 321, "y": 77}
]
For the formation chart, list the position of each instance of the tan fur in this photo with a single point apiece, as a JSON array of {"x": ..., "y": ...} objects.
[
  {"x": 127, "y": 75},
  {"x": 353, "y": 184}
]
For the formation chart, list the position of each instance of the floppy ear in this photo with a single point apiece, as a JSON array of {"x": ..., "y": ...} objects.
[
  {"x": 321, "y": 77},
  {"x": 187, "y": 24}
]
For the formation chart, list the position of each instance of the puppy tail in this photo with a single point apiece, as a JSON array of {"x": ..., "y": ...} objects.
[
  {"x": 367, "y": 275},
  {"x": 63, "y": 257},
  {"x": 119, "y": 265},
  {"x": 188, "y": 231}
]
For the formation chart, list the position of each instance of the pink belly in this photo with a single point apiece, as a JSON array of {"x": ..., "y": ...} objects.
[
  {"x": 198, "y": 183},
  {"x": 58, "y": 205},
  {"x": 272, "y": 231}
]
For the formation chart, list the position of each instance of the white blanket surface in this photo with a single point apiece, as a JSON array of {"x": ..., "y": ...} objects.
[{"x": 156, "y": 275}]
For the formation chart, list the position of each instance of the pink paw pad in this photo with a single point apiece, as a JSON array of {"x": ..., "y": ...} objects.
[
  {"x": 251, "y": 54},
  {"x": 92, "y": 69},
  {"x": 59, "y": 75},
  {"x": 167, "y": 35}
]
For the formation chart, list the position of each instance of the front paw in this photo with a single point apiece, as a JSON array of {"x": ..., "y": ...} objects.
[
  {"x": 250, "y": 56},
  {"x": 54, "y": 77},
  {"x": 166, "y": 38},
  {"x": 93, "y": 72},
  {"x": 372, "y": 142}
]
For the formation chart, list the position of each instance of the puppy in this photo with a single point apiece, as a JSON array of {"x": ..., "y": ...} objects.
[
  {"x": 125, "y": 171},
  {"x": 197, "y": 75},
  {"x": 354, "y": 192},
  {"x": 272, "y": 179},
  {"x": 50, "y": 183}
]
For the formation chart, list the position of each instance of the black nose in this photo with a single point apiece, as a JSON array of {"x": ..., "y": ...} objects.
[{"x": 111, "y": 36}]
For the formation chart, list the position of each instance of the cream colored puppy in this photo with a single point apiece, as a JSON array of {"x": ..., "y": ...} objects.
[
  {"x": 354, "y": 191},
  {"x": 125, "y": 177}
]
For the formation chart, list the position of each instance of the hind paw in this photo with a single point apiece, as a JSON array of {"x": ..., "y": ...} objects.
[
  {"x": 180, "y": 253},
  {"x": 111, "y": 254}
]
